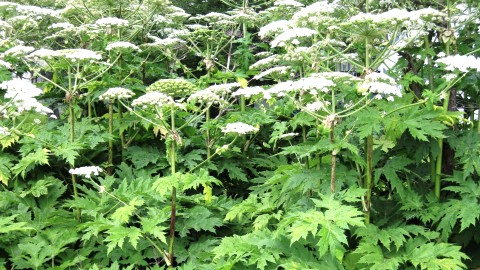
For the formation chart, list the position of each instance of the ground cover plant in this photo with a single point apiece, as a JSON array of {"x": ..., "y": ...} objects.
[{"x": 248, "y": 135}]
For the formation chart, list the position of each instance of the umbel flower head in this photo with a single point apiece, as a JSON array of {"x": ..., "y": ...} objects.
[
  {"x": 111, "y": 21},
  {"x": 86, "y": 171},
  {"x": 223, "y": 89},
  {"x": 206, "y": 97},
  {"x": 23, "y": 93},
  {"x": 116, "y": 93},
  {"x": 248, "y": 92},
  {"x": 151, "y": 99},
  {"x": 19, "y": 51},
  {"x": 462, "y": 63},
  {"x": 317, "y": 106},
  {"x": 239, "y": 128},
  {"x": 173, "y": 87},
  {"x": 122, "y": 46},
  {"x": 80, "y": 55},
  {"x": 380, "y": 84}
]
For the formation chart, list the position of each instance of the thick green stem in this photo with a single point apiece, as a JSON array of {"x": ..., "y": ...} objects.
[
  {"x": 369, "y": 150},
  {"x": 333, "y": 173},
  {"x": 334, "y": 160},
  {"x": 242, "y": 103},
  {"x": 438, "y": 167},
  {"x": 89, "y": 108},
  {"x": 110, "y": 140},
  {"x": 368, "y": 178},
  {"x": 174, "y": 190},
  {"x": 304, "y": 137},
  {"x": 207, "y": 120},
  {"x": 319, "y": 156},
  {"x": 72, "y": 140},
  {"x": 120, "y": 130}
]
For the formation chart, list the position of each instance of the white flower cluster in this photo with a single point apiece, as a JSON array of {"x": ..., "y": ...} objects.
[
  {"x": 212, "y": 17},
  {"x": 19, "y": 50},
  {"x": 288, "y": 135},
  {"x": 196, "y": 26},
  {"x": 281, "y": 89},
  {"x": 4, "y": 25},
  {"x": 243, "y": 16},
  {"x": 24, "y": 21},
  {"x": 23, "y": 93},
  {"x": 239, "y": 128},
  {"x": 315, "y": 15},
  {"x": 20, "y": 88},
  {"x": 266, "y": 62},
  {"x": 248, "y": 92},
  {"x": 122, "y": 46},
  {"x": 415, "y": 19},
  {"x": 36, "y": 12},
  {"x": 161, "y": 19},
  {"x": 337, "y": 77},
  {"x": 273, "y": 28},
  {"x": 4, "y": 131},
  {"x": 5, "y": 64},
  {"x": 462, "y": 63},
  {"x": 280, "y": 70},
  {"x": 78, "y": 55},
  {"x": 263, "y": 55},
  {"x": 223, "y": 89},
  {"x": 310, "y": 85},
  {"x": 86, "y": 171},
  {"x": 62, "y": 25},
  {"x": 299, "y": 53},
  {"x": 166, "y": 42},
  {"x": 380, "y": 84},
  {"x": 176, "y": 33},
  {"x": 43, "y": 54},
  {"x": 291, "y": 35},
  {"x": 112, "y": 21},
  {"x": 116, "y": 93},
  {"x": 313, "y": 84},
  {"x": 178, "y": 15},
  {"x": 317, "y": 106},
  {"x": 8, "y": 4},
  {"x": 287, "y": 3},
  {"x": 153, "y": 98},
  {"x": 206, "y": 97}
]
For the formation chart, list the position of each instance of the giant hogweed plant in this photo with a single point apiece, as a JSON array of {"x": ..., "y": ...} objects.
[{"x": 321, "y": 173}]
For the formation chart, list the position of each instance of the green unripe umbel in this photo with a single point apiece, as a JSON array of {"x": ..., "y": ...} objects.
[{"x": 177, "y": 88}]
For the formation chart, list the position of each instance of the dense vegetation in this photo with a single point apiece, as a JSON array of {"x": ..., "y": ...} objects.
[{"x": 264, "y": 135}]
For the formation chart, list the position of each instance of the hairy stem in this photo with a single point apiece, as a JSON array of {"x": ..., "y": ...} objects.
[
  {"x": 207, "y": 120},
  {"x": 438, "y": 167},
  {"x": 369, "y": 178},
  {"x": 174, "y": 190},
  {"x": 334, "y": 160},
  {"x": 120, "y": 131},
  {"x": 333, "y": 174},
  {"x": 110, "y": 140},
  {"x": 71, "y": 117}
]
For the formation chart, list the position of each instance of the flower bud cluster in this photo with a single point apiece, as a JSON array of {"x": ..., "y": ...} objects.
[{"x": 173, "y": 87}]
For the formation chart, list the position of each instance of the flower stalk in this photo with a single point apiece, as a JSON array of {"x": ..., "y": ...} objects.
[
  {"x": 110, "y": 140},
  {"x": 333, "y": 173},
  {"x": 174, "y": 190}
]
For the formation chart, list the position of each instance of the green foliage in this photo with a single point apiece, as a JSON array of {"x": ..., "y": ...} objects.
[{"x": 365, "y": 153}]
